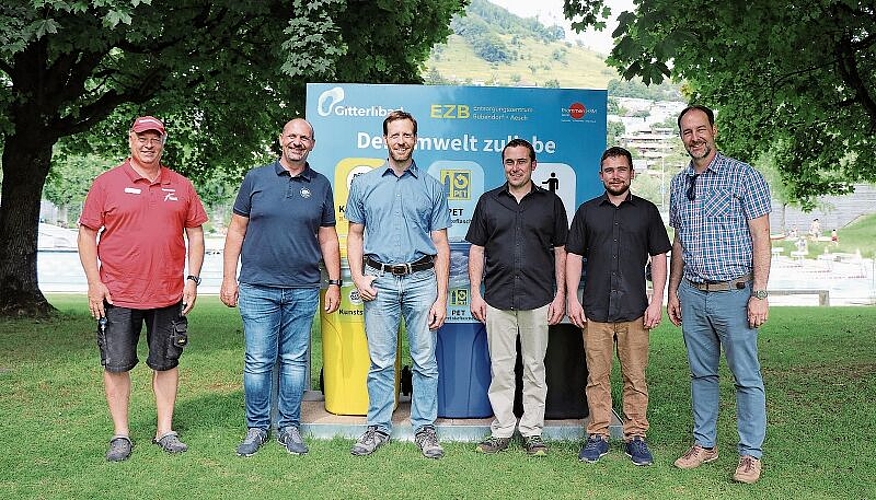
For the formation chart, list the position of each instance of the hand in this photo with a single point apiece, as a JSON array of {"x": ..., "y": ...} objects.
[
  {"x": 673, "y": 309},
  {"x": 576, "y": 313},
  {"x": 190, "y": 295},
  {"x": 228, "y": 293},
  {"x": 332, "y": 298},
  {"x": 557, "y": 309},
  {"x": 366, "y": 291},
  {"x": 478, "y": 308},
  {"x": 653, "y": 314},
  {"x": 437, "y": 314},
  {"x": 758, "y": 312},
  {"x": 97, "y": 293}
]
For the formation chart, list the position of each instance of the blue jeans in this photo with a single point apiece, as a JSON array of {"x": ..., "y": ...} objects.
[
  {"x": 710, "y": 320},
  {"x": 276, "y": 326},
  {"x": 409, "y": 297}
]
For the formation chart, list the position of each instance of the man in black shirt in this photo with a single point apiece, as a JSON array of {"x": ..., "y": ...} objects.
[
  {"x": 616, "y": 233},
  {"x": 521, "y": 229}
]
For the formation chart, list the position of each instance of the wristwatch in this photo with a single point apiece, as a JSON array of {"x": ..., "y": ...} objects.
[
  {"x": 760, "y": 294},
  {"x": 196, "y": 279},
  {"x": 335, "y": 282}
]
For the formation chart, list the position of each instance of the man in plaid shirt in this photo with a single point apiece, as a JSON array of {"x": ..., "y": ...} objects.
[{"x": 719, "y": 270}]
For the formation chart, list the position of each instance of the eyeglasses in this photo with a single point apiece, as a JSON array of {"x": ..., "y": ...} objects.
[{"x": 692, "y": 188}]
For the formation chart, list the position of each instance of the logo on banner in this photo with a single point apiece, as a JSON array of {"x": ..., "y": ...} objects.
[
  {"x": 577, "y": 110},
  {"x": 457, "y": 183},
  {"x": 459, "y": 297},
  {"x": 328, "y": 100}
]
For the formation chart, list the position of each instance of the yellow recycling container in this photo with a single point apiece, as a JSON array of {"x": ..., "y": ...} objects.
[{"x": 345, "y": 353}]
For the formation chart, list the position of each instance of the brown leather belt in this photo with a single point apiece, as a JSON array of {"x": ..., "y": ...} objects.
[
  {"x": 722, "y": 286},
  {"x": 427, "y": 262}
]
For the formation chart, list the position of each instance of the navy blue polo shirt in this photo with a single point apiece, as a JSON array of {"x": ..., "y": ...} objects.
[
  {"x": 281, "y": 247},
  {"x": 616, "y": 241},
  {"x": 519, "y": 241}
]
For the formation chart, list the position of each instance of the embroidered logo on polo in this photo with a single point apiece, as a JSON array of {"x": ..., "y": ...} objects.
[
  {"x": 130, "y": 190},
  {"x": 305, "y": 192},
  {"x": 170, "y": 194}
]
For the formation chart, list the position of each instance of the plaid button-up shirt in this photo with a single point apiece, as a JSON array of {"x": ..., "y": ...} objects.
[{"x": 713, "y": 225}]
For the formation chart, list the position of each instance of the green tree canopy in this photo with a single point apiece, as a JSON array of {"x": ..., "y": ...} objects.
[
  {"x": 797, "y": 79},
  {"x": 223, "y": 74}
]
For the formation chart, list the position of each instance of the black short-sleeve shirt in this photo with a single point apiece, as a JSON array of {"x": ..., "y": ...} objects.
[
  {"x": 519, "y": 241},
  {"x": 616, "y": 241}
]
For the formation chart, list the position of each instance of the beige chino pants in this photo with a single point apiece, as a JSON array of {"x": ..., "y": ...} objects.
[{"x": 503, "y": 327}]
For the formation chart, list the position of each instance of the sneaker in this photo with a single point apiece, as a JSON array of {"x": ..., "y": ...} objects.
[
  {"x": 170, "y": 443},
  {"x": 119, "y": 449},
  {"x": 748, "y": 470},
  {"x": 427, "y": 440},
  {"x": 638, "y": 451},
  {"x": 595, "y": 448},
  {"x": 290, "y": 437},
  {"x": 370, "y": 441},
  {"x": 696, "y": 456},
  {"x": 254, "y": 439},
  {"x": 493, "y": 445},
  {"x": 534, "y": 446}
]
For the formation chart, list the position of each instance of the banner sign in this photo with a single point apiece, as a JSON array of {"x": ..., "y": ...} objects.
[{"x": 461, "y": 133}]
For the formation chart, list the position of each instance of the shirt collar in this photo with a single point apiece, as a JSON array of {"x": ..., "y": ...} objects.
[
  {"x": 413, "y": 169},
  {"x": 629, "y": 199},
  {"x": 535, "y": 189},
  {"x": 134, "y": 176},
  {"x": 306, "y": 174},
  {"x": 715, "y": 165}
]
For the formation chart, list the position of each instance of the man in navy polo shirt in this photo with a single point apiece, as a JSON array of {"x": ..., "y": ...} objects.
[{"x": 282, "y": 226}]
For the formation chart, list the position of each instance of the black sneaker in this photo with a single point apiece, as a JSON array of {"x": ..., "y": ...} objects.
[
  {"x": 427, "y": 440},
  {"x": 595, "y": 448},
  {"x": 534, "y": 446},
  {"x": 290, "y": 437},
  {"x": 493, "y": 445},
  {"x": 170, "y": 443},
  {"x": 369, "y": 442},
  {"x": 254, "y": 439},
  {"x": 119, "y": 449},
  {"x": 638, "y": 451}
]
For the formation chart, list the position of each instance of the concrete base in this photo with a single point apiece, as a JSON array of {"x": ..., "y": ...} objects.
[{"x": 318, "y": 423}]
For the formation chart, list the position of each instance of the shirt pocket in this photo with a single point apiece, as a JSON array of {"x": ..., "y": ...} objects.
[{"x": 718, "y": 206}]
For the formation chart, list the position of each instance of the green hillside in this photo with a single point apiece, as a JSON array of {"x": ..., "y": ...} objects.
[{"x": 494, "y": 47}]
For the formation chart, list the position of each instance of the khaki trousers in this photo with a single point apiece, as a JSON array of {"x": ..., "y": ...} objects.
[
  {"x": 632, "y": 351},
  {"x": 503, "y": 327}
]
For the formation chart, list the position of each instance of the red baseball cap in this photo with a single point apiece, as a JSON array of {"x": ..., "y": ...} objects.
[{"x": 145, "y": 123}]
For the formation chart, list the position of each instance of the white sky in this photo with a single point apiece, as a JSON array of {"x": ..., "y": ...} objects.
[{"x": 550, "y": 12}]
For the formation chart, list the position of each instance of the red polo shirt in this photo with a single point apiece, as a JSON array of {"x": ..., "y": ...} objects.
[{"x": 141, "y": 247}]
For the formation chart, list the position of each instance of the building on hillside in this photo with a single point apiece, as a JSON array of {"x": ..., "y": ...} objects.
[{"x": 653, "y": 145}]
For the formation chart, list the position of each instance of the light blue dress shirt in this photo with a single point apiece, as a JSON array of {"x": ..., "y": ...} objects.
[{"x": 399, "y": 213}]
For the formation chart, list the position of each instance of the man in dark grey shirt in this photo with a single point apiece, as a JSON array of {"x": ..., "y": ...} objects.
[
  {"x": 520, "y": 228},
  {"x": 616, "y": 233}
]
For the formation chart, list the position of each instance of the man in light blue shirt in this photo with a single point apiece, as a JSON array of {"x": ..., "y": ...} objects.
[{"x": 399, "y": 260}]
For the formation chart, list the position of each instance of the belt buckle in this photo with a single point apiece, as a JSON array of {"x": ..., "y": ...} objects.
[{"x": 400, "y": 270}]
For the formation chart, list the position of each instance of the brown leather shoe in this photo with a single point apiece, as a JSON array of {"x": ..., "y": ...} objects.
[
  {"x": 696, "y": 456},
  {"x": 748, "y": 470}
]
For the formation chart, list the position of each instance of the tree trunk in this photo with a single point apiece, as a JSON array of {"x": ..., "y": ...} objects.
[{"x": 26, "y": 159}]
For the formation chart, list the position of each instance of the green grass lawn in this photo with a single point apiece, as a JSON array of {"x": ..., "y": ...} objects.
[{"x": 819, "y": 366}]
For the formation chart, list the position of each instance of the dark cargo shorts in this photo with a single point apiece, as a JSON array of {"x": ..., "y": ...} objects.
[{"x": 118, "y": 341}]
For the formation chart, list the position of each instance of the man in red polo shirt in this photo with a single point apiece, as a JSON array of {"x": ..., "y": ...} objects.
[{"x": 133, "y": 252}]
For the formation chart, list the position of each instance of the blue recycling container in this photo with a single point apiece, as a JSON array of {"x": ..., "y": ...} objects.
[
  {"x": 463, "y": 356},
  {"x": 464, "y": 368}
]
